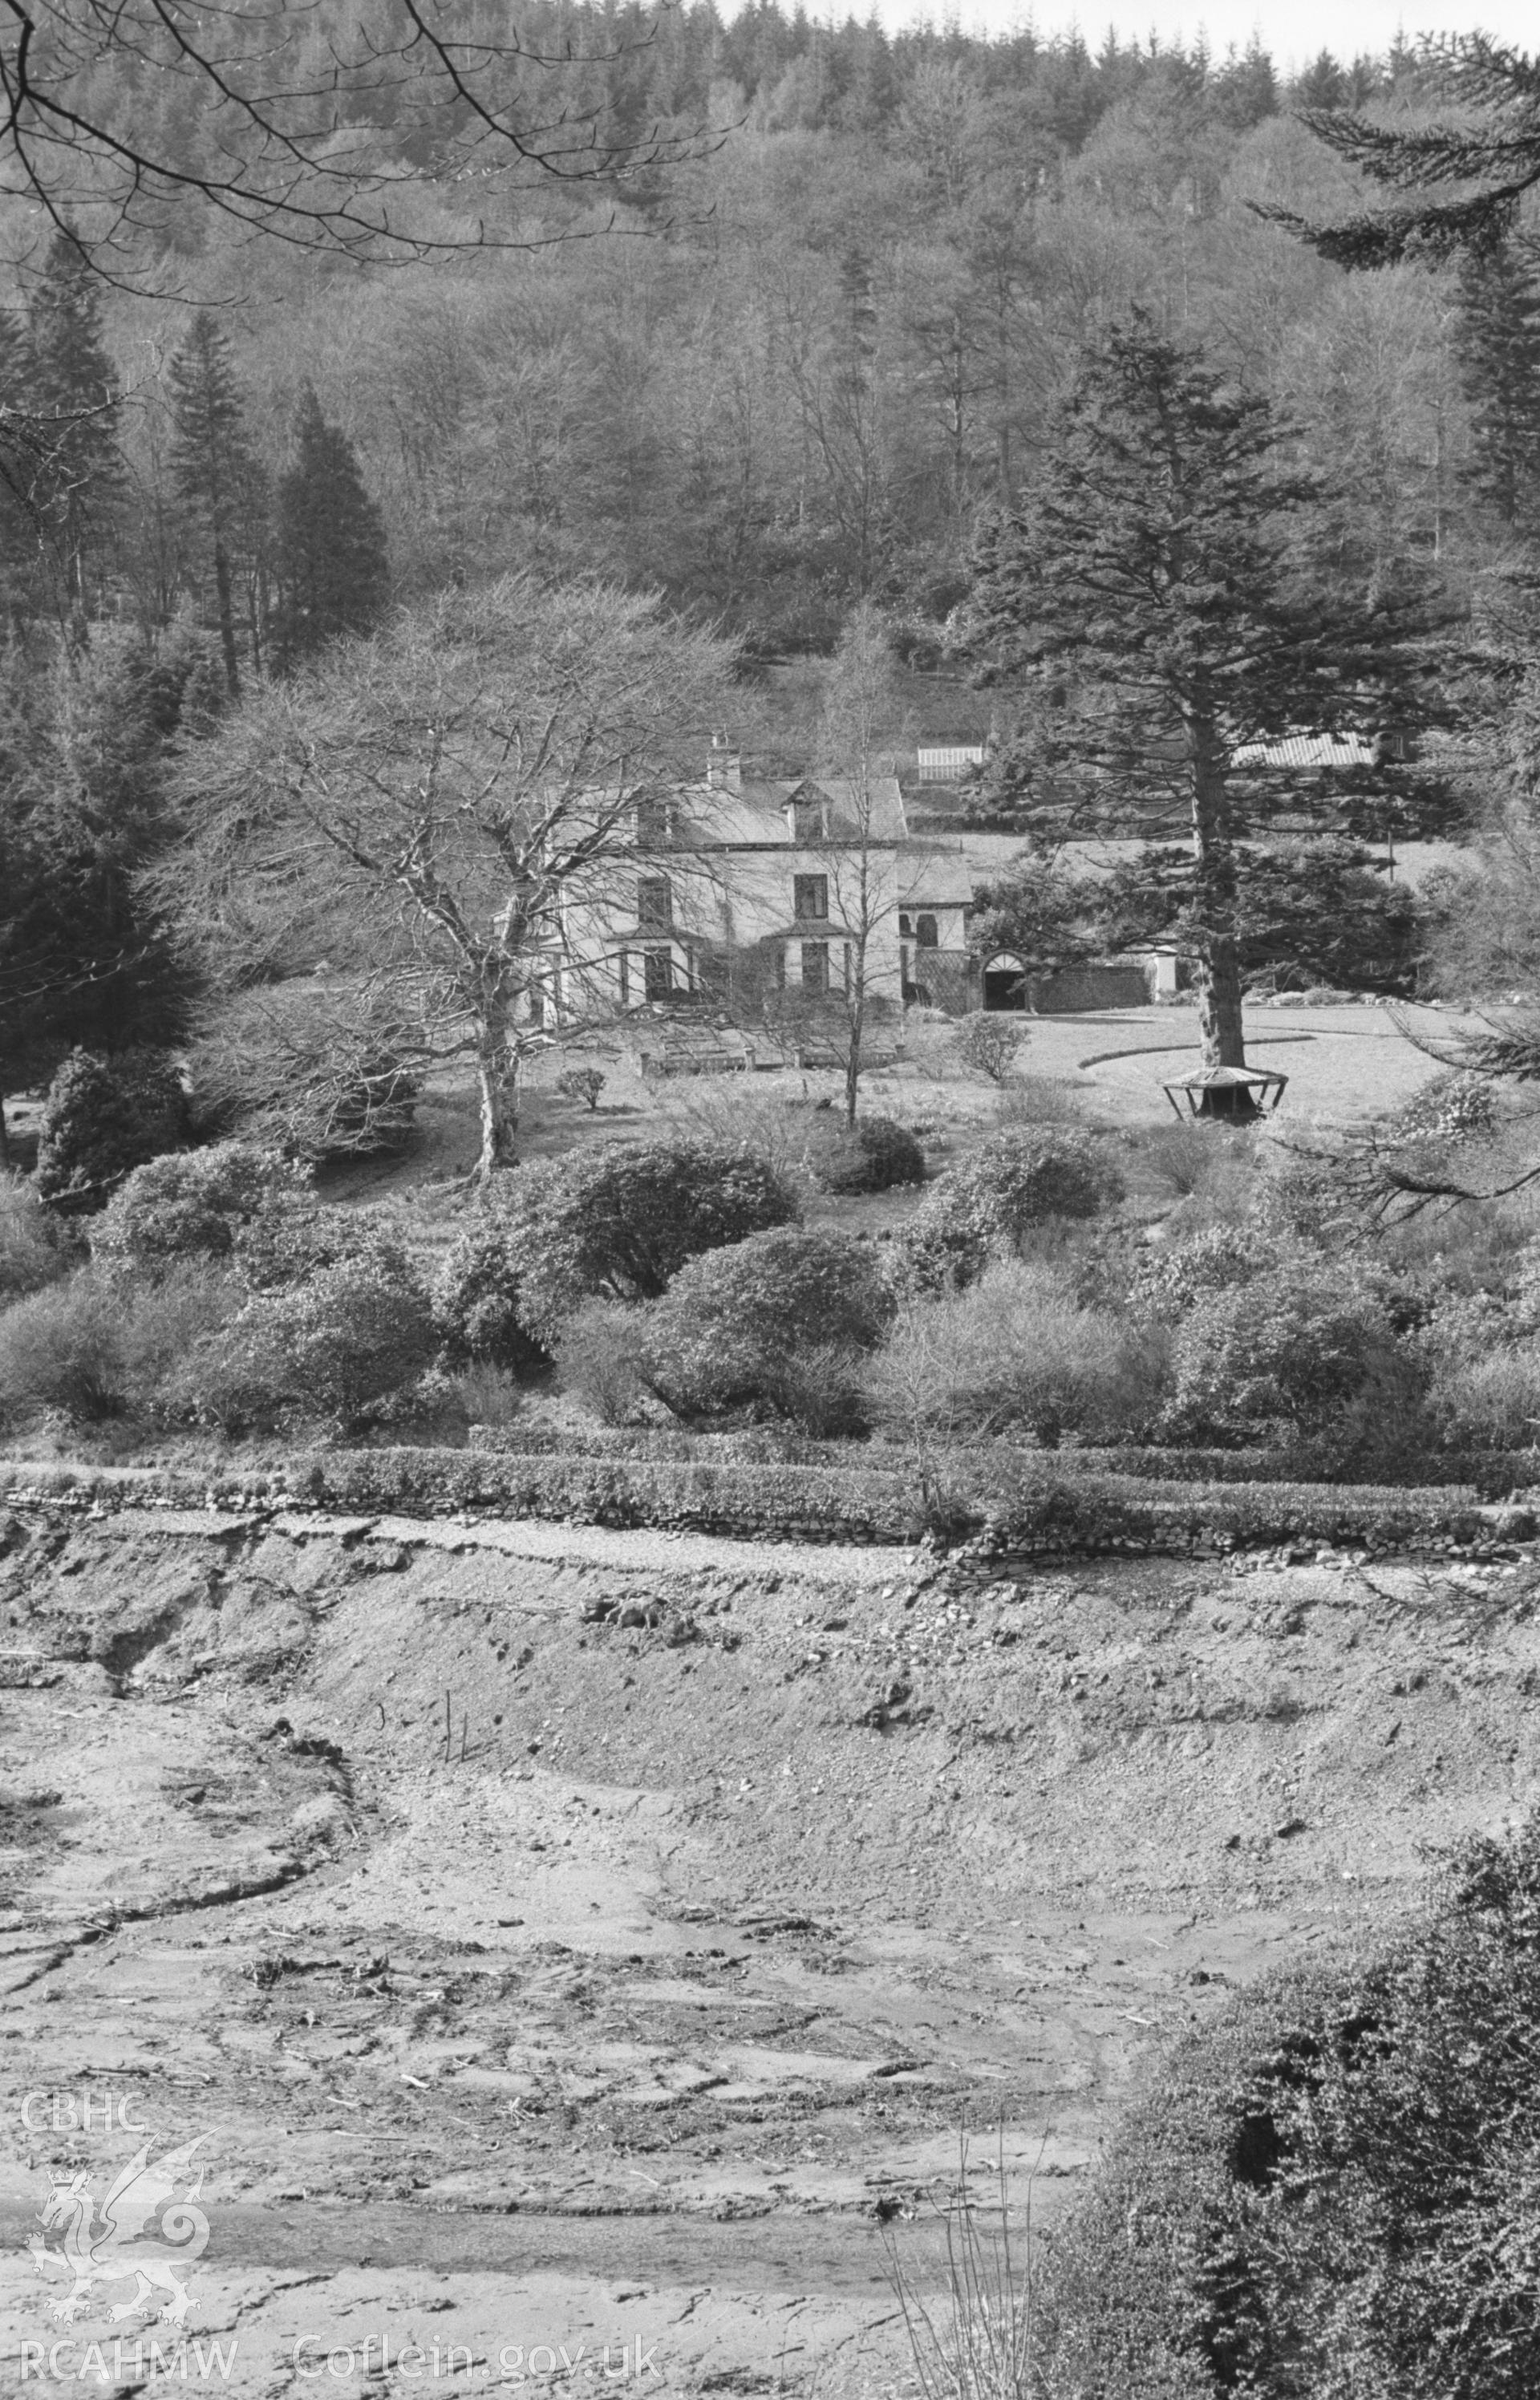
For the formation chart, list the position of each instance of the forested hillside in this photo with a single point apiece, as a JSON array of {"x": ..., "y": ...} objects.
[{"x": 780, "y": 376}]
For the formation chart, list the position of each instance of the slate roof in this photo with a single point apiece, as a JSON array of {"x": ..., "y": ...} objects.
[
  {"x": 755, "y": 816},
  {"x": 934, "y": 879}
]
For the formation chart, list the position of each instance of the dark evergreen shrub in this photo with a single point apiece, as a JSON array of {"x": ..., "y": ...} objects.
[
  {"x": 1294, "y": 1349},
  {"x": 1333, "y": 2191},
  {"x": 105, "y": 1115},
  {"x": 775, "y": 1323},
  {"x": 352, "y": 1333},
  {"x": 621, "y": 1221},
  {"x": 872, "y": 1155},
  {"x": 988, "y": 1205},
  {"x": 198, "y": 1204},
  {"x": 476, "y": 1297}
]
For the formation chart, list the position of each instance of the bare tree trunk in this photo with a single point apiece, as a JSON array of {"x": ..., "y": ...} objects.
[
  {"x": 227, "y": 619},
  {"x": 499, "y": 1111},
  {"x": 1219, "y": 1014},
  {"x": 857, "y": 1006}
]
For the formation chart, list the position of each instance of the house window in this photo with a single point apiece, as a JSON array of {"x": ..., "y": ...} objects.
[
  {"x": 906, "y": 926},
  {"x": 780, "y": 968},
  {"x": 654, "y": 901},
  {"x": 808, "y": 818},
  {"x": 660, "y": 973},
  {"x": 815, "y": 966},
  {"x": 653, "y": 810},
  {"x": 811, "y": 896},
  {"x": 925, "y": 934}
]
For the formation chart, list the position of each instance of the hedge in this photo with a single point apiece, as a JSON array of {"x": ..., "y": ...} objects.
[
  {"x": 796, "y": 1504},
  {"x": 1493, "y": 1473},
  {"x": 1070, "y": 1510},
  {"x": 1052, "y": 1510},
  {"x": 808, "y": 1504}
]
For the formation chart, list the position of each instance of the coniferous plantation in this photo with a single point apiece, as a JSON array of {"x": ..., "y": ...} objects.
[{"x": 769, "y": 1207}]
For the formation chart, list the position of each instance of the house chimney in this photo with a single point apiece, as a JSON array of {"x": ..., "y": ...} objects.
[{"x": 724, "y": 768}]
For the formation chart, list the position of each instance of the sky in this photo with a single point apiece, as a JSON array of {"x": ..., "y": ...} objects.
[{"x": 1292, "y": 30}]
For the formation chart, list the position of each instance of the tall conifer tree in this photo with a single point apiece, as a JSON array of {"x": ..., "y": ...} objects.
[
  {"x": 218, "y": 475},
  {"x": 77, "y": 408},
  {"x": 22, "y": 450},
  {"x": 1500, "y": 367},
  {"x": 1153, "y": 604},
  {"x": 334, "y": 568}
]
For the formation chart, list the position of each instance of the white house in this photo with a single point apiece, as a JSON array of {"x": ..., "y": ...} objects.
[{"x": 738, "y": 889}]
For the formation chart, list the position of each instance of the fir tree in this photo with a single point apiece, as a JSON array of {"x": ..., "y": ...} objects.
[
  {"x": 1322, "y": 86},
  {"x": 77, "y": 407},
  {"x": 22, "y": 449},
  {"x": 1492, "y": 141},
  {"x": 218, "y": 477},
  {"x": 333, "y": 570},
  {"x": 1151, "y": 604},
  {"x": 84, "y": 739},
  {"x": 1247, "y": 88},
  {"x": 1500, "y": 364}
]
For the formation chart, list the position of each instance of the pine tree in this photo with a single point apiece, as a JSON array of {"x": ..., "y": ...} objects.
[
  {"x": 1499, "y": 340},
  {"x": 1150, "y": 604},
  {"x": 333, "y": 570},
  {"x": 218, "y": 477},
  {"x": 77, "y": 407},
  {"x": 22, "y": 450}
]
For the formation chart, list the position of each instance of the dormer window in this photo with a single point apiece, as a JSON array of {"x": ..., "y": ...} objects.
[
  {"x": 654, "y": 820},
  {"x": 807, "y": 814}
]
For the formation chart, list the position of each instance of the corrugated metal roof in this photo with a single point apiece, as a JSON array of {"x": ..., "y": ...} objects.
[
  {"x": 1309, "y": 750},
  {"x": 947, "y": 766}
]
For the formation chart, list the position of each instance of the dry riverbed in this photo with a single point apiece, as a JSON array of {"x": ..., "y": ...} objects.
[{"x": 570, "y": 1950}]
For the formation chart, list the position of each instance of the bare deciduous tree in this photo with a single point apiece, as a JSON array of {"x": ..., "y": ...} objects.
[
  {"x": 447, "y": 814},
  {"x": 864, "y": 878}
]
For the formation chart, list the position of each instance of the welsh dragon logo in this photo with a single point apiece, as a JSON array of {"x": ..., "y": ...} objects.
[{"x": 149, "y": 2226}]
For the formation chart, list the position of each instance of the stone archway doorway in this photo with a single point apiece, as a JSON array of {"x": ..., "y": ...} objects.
[{"x": 1005, "y": 981}]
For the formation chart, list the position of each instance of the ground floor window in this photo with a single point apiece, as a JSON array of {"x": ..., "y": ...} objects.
[
  {"x": 815, "y": 966},
  {"x": 660, "y": 973}
]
